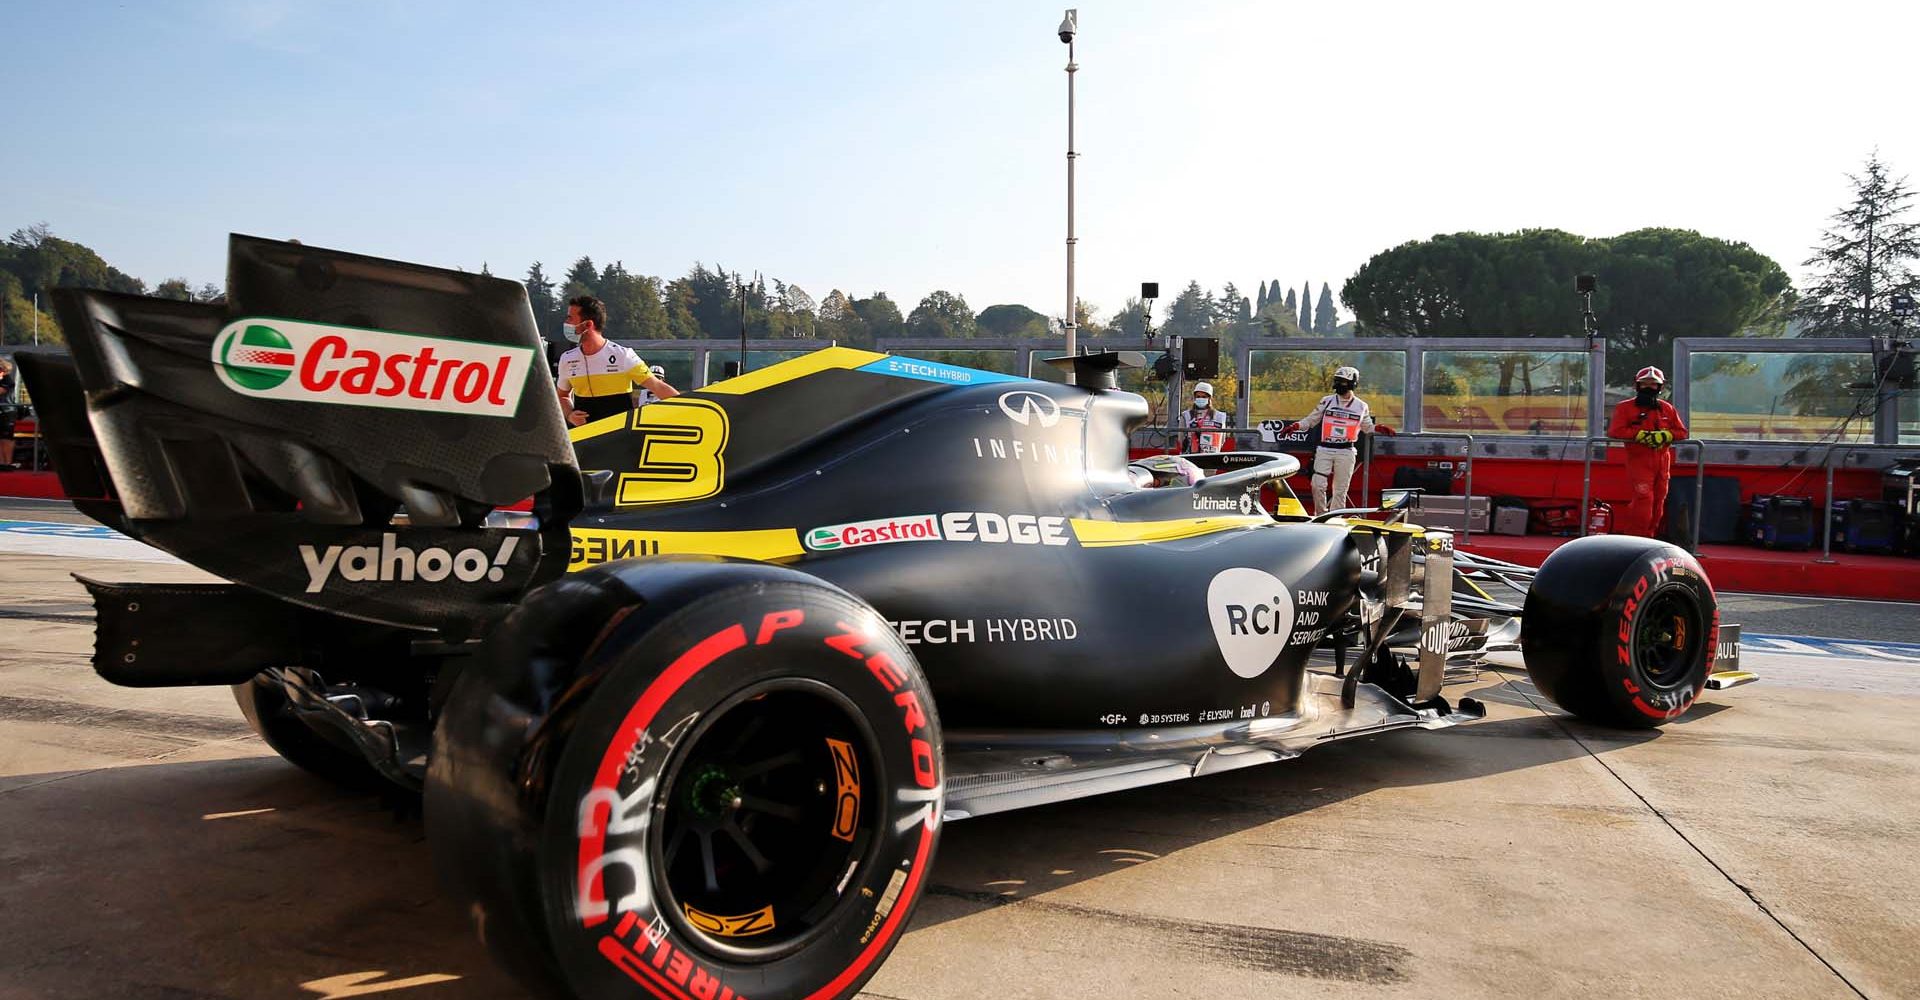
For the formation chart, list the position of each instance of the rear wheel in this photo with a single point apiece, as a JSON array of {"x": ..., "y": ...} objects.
[
  {"x": 1620, "y": 631},
  {"x": 747, "y": 801}
]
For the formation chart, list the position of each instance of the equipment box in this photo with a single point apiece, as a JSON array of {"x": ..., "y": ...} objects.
[
  {"x": 1453, "y": 512},
  {"x": 1781, "y": 522},
  {"x": 1900, "y": 484},
  {"x": 1866, "y": 526},
  {"x": 1510, "y": 520}
]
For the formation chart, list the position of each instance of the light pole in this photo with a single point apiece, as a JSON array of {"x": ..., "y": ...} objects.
[{"x": 1069, "y": 27}]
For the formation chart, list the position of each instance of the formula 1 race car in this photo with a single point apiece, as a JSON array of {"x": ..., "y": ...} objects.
[{"x": 689, "y": 726}]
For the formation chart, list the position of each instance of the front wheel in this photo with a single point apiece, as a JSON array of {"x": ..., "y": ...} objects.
[
  {"x": 745, "y": 805},
  {"x": 1620, "y": 631}
]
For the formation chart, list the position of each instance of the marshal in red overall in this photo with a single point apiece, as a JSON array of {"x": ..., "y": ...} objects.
[{"x": 1650, "y": 425}]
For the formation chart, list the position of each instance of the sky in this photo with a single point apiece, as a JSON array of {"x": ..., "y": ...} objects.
[{"x": 906, "y": 147}]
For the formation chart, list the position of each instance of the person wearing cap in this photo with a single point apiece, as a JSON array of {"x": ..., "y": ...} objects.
[
  {"x": 1650, "y": 425},
  {"x": 647, "y": 395},
  {"x": 1335, "y": 424},
  {"x": 1205, "y": 424}
]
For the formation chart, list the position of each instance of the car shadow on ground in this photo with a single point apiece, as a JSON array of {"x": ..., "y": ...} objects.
[
  {"x": 250, "y": 878},
  {"x": 1008, "y": 857},
  {"x": 231, "y": 878}
]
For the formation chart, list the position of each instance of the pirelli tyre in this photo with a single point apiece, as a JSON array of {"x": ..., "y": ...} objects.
[
  {"x": 1620, "y": 630},
  {"x": 264, "y": 703},
  {"x": 735, "y": 794}
]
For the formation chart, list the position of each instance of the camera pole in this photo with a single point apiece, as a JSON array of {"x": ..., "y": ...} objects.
[
  {"x": 1070, "y": 27},
  {"x": 1584, "y": 284}
]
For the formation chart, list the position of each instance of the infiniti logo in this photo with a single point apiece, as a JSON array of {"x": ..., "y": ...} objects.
[{"x": 1026, "y": 407}]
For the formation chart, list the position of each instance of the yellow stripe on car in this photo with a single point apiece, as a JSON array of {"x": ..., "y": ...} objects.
[
  {"x": 825, "y": 359},
  {"x": 593, "y": 546},
  {"x": 1097, "y": 534},
  {"x": 604, "y": 425}
]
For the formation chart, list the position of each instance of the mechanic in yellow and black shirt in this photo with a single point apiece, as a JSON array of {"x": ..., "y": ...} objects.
[{"x": 596, "y": 379}]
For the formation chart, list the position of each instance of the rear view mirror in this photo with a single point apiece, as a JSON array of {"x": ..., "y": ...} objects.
[{"x": 1399, "y": 499}]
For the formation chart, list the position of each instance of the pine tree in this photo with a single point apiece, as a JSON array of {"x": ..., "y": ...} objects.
[
  {"x": 1260, "y": 304},
  {"x": 1306, "y": 306},
  {"x": 582, "y": 279},
  {"x": 1191, "y": 314},
  {"x": 1324, "y": 319},
  {"x": 1230, "y": 304},
  {"x": 1863, "y": 259},
  {"x": 1293, "y": 306},
  {"x": 546, "y": 309}
]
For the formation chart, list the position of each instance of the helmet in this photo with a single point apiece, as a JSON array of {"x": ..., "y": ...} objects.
[
  {"x": 1346, "y": 378},
  {"x": 1203, "y": 389},
  {"x": 1167, "y": 470},
  {"x": 1650, "y": 372}
]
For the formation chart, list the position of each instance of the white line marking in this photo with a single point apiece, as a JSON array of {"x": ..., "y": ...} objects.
[
  {"x": 243, "y": 812},
  {"x": 1881, "y": 653},
  {"x": 359, "y": 984},
  {"x": 76, "y": 541}
]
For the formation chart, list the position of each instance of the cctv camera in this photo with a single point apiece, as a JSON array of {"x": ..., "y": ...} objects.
[{"x": 1070, "y": 25}]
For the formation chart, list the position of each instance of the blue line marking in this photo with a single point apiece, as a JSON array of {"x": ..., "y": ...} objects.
[
  {"x": 933, "y": 371},
  {"x": 1850, "y": 648},
  {"x": 54, "y": 529}
]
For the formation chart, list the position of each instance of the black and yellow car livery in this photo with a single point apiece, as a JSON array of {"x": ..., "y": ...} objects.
[{"x": 814, "y": 611}]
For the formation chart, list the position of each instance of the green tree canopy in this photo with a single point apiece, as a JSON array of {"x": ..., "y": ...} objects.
[
  {"x": 1130, "y": 322},
  {"x": 1279, "y": 321},
  {"x": 880, "y": 316},
  {"x": 43, "y": 262},
  {"x": 1655, "y": 284},
  {"x": 1010, "y": 320},
  {"x": 1191, "y": 314},
  {"x": 634, "y": 310},
  {"x": 941, "y": 314}
]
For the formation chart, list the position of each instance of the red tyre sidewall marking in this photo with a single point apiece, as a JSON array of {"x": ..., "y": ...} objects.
[
  {"x": 612, "y": 764},
  {"x": 1650, "y": 578},
  {"x": 900, "y": 908},
  {"x": 638, "y": 718}
]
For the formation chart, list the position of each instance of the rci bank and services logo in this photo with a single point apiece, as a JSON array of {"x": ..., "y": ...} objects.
[{"x": 316, "y": 363}]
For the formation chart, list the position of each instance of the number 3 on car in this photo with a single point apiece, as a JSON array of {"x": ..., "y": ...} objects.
[{"x": 680, "y": 444}]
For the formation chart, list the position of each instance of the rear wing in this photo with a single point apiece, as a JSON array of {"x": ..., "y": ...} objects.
[{"x": 336, "y": 434}]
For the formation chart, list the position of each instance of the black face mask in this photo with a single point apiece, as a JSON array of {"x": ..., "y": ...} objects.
[
  {"x": 1646, "y": 398},
  {"x": 1342, "y": 387}
]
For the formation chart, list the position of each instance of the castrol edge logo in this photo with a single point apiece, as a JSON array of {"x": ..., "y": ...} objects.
[{"x": 317, "y": 363}]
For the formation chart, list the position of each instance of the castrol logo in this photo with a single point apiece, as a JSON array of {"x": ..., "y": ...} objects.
[{"x": 317, "y": 363}]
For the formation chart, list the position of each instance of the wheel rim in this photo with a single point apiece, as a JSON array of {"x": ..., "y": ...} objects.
[
  {"x": 1668, "y": 637},
  {"x": 765, "y": 816}
]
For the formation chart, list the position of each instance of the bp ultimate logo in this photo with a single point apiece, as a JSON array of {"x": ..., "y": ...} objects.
[{"x": 316, "y": 363}]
